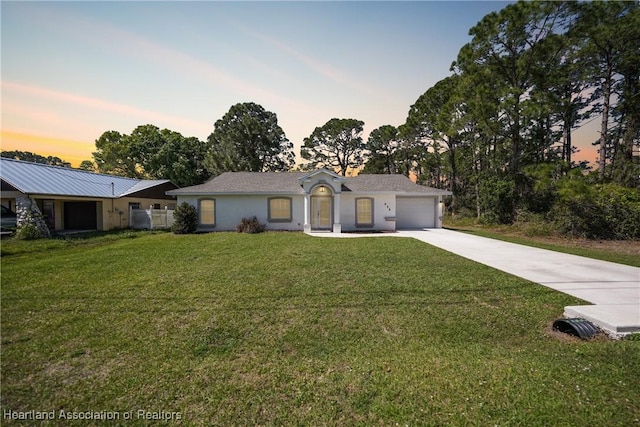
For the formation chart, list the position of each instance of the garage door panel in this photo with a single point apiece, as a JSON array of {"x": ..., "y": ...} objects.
[{"x": 415, "y": 212}]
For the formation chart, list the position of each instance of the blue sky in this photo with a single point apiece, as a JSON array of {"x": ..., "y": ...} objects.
[{"x": 72, "y": 70}]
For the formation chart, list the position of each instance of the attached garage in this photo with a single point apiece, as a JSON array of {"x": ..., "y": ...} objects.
[{"x": 415, "y": 212}]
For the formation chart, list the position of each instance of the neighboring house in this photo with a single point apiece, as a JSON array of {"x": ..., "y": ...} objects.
[
  {"x": 72, "y": 199},
  {"x": 314, "y": 201}
]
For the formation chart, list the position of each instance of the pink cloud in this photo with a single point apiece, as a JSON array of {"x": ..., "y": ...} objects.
[{"x": 22, "y": 89}]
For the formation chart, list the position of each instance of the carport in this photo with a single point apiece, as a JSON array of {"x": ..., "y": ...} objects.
[{"x": 81, "y": 215}]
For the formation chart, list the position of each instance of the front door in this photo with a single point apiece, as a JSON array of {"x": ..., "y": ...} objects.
[{"x": 321, "y": 213}]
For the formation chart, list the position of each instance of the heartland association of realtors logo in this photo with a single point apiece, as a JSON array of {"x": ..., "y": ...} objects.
[{"x": 139, "y": 414}]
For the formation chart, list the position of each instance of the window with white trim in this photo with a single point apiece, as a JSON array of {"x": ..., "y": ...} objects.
[
  {"x": 364, "y": 212},
  {"x": 280, "y": 209}
]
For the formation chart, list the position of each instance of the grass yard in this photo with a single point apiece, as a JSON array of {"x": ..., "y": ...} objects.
[{"x": 287, "y": 329}]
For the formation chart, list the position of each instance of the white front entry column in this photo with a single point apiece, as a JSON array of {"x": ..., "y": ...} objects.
[
  {"x": 337, "y": 227},
  {"x": 307, "y": 209}
]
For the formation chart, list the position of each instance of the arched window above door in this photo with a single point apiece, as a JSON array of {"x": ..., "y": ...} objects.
[{"x": 321, "y": 190}]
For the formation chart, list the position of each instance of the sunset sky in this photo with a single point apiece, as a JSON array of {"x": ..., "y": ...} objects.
[{"x": 73, "y": 70}]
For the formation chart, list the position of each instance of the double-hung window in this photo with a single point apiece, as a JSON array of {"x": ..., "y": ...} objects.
[
  {"x": 280, "y": 209},
  {"x": 207, "y": 212},
  {"x": 364, "y": 212}
]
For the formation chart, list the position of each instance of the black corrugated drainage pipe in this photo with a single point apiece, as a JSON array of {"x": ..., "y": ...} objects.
[{"x": 576, "y": 326}]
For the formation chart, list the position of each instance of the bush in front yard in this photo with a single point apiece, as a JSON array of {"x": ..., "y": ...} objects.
[
  {"x": 185, "y": 219},
  {"x": 32, "y": 227},
  {"x": 28, "y": 232},
  {"x": 250, "y": 225}
]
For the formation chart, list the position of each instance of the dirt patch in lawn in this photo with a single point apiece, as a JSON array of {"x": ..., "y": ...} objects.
[
  {"x": 622, "y": 247},
  {"x": 627, "y": 247}
]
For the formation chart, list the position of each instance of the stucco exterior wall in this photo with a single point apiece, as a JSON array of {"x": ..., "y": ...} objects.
[
  {"x": 384, "y": 211},
  {"x": 230, "y": 209}
]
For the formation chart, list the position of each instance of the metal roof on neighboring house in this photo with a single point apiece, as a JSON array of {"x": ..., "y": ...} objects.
[
  {"x": 144, "y": 184},
  {"x": 289, "y": 183},
  {"x": 36, "y": 178}
]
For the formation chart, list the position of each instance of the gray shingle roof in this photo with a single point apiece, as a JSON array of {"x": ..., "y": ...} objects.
[
  {"x": 248, "y": 183},
  {"x": 288, "y": 183},
  {"x": 36, "y": 178},
  {"x": 388, "y": 183}
]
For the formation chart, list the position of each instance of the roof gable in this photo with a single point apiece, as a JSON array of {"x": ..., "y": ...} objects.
[
  {"x": 37, "y": 178},
  {"x": 328, "y": 173}
]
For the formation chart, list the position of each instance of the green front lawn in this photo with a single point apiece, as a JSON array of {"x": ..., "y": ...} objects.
[{"x": 287, "y": 329}]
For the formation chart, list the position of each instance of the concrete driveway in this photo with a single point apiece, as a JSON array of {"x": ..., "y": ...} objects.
[{"x": 614, "y": 289}]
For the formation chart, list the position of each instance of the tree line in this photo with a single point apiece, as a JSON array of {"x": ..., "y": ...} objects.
[
  {"x": 28, "y": 156},
  {"x": 246, "y": 138},
  {"x": 497, "y": 132}
]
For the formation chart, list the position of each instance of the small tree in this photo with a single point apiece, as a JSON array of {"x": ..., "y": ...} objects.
[{"x": 185, "y": 219}]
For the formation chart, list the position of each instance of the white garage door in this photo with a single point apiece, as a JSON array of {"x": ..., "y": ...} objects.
[{"x": 415, "y": 212}]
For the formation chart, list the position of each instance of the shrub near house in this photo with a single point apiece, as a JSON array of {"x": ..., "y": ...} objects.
[{"x": 185, "y": 219}]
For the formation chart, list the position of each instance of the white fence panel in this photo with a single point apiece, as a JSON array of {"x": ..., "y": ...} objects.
[{"x": 150, "y": 219}]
